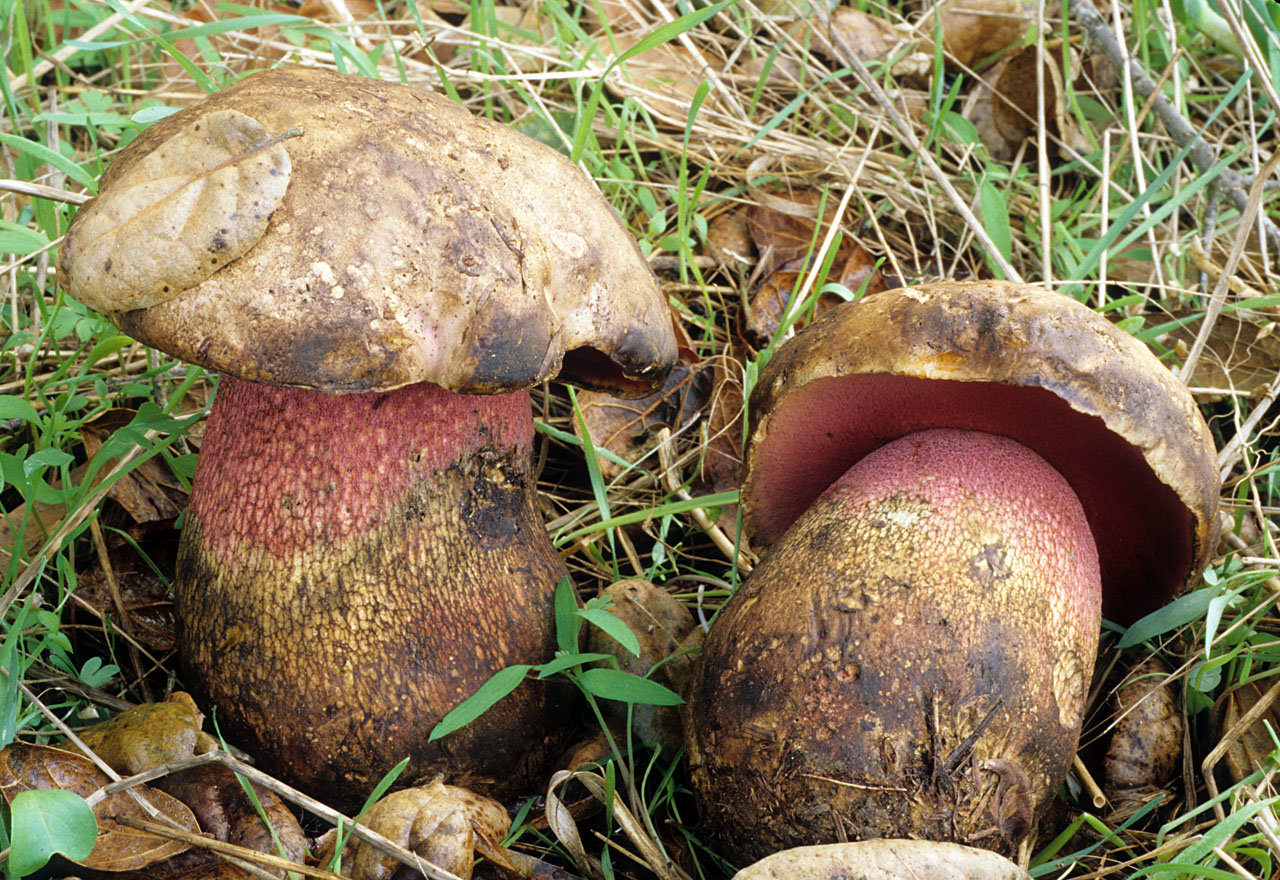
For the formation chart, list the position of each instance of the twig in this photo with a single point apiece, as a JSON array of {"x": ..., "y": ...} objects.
[
  {"x": 240, "y": 853},
  {"x": 52, "y": 193},
  {"x": 1233, "y": 184}
]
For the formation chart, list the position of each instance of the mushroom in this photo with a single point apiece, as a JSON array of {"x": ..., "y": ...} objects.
[
  {"x": 363, "y": 548},
  {"x": 955, "y": 480}
]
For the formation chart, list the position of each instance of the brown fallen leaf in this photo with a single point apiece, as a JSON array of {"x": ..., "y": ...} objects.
[
  {"x": 884, "y": 860},
  {"x": 1253, "y": 744},
  {"x": 198, "y": 201},
  {"x": 1003, "y": 107},
  {"x": 226, "y": 813},
  {"x": 149, "y": 492},
  {"x": 663, "y": 79},
  {"x": 443, "y": 824},
  {"x": 973, "y": 30},
  {"x": 1146, "y": 745},
  {"x": 660, "y": 624},
  {"x": 1239, "y": 355},
  {"x": 119, "y": 849},
  {"x": 149, "y": 735},
  {"x": 786, "y": 235},
  {"x": 146, "y": 600},
  {"x": 625, "y": 427},
  {"x": 722, "y": 457}
]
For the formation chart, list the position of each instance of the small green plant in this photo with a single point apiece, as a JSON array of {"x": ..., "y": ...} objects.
[
  {"x": 579, "y": 667},
  {"x": 46, "y": 822}
]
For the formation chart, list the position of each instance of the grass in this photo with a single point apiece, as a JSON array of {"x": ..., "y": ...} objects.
[{"x": 739, "y": 102}]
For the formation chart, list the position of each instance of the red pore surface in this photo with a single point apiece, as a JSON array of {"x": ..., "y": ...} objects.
[
  {"x": 326, "y": 468},
  {"x": 1044, "y": 531},
  {"x": 1141, "y": 528}
]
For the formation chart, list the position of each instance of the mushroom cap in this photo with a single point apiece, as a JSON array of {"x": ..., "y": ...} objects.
[
  {"x": 1008, "y": 359},
  {"x": 397, "y": 239}
]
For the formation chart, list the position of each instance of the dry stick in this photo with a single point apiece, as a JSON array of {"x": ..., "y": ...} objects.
[
  {"x": 868, "y": 82},
  {"x": 226, "y": 849},
  {"x": 1202, "y": 156},
  {"x": 52, "y": 193},
  {"x": 1090, "y": 784},
  {"x": 1219, "y": 297}
]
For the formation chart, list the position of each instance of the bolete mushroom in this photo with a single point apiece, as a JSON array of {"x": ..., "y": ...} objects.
[
  {"x": 363, "y": 548},
  {"x": 955, "y": 479}
]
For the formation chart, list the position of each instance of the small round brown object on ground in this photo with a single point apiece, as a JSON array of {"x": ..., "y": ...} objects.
[
  {"x": 955, "y": 480},
  {"x": 380, "y": 275}
]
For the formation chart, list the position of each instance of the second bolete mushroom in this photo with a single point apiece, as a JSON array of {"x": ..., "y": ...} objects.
[
  {"x": 957, "y": 480},
  {"x": 380, "y": 275}
]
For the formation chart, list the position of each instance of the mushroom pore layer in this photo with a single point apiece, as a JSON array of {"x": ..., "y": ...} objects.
[
  {"x": 1142, "y": 529},
  {"x": 910, "y": 659},
  {"x": 354, "y": 566}
]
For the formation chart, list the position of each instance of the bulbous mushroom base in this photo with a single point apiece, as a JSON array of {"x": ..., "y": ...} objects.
[
  {"x": 911, "y": 659},
  {"x": 352, "y": 567}
]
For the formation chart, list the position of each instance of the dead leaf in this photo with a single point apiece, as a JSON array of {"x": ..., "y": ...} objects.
[
  {"x": 1238, "y": 355},
  {"x": 663, "y": 79},
  {"x": 660, "y": 624},
  {"x": 227, "y": 814},
  {"x": 196, "y": 202},
  {"x": 149, "y": 492},
  {"x": 973, "y": 30},
  {"x": 884, "y": 860},
  {"x": 146, "y": 600},
  {"x": 149, "y": 735},
  {"x": 119, "y": 848},
  {"x": 1146, "y": 745},
  {"x": 870, "y": 38},
  {"x": 729, "y": 241},
  {"x": 1004, "y": 106},
  {"x": 722, "y": 459},
  {"x": 1253, "y": 745},
  {"x": 786, "y": 240},
  {"x": 625, "y": 427},
  {"x": 442, "y": 824}
]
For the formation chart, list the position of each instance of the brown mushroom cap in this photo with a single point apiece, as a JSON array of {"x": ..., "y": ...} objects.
[
  {"x": 1007, "y": 359},
  {"x": 413, "y": 242}
]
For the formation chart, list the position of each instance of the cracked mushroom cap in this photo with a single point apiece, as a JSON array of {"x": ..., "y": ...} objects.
[
  {"x": 1008, "y": 359},
  {"x": 344, "y": 234}
]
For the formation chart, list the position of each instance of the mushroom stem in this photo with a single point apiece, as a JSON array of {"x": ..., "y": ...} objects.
[
  {"x": 354, "y": 566},
  {"x": 910, "y": 659}
]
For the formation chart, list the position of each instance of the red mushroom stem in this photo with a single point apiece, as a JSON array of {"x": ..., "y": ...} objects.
[{"x": 353, "y": 566}]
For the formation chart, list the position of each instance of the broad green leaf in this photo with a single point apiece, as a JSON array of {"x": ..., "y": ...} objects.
[
  {"x": 51, "y": 157},
  {"x": 20, "y": 240},
  {"x": 995, "y": 219},
  {"x": 503, "y": 682},
  {"x": 614, "y": 684},
  {"x": 17, "y": 408},
  {"x": 615, "y": 628},
  {"x": 1177, "y": 613},
  {"x": 49, "y": 821},
  {"x": 568, "y": 624}
]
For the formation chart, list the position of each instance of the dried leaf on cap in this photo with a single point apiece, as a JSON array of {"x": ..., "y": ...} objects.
[{"x": 198, "y": 201}]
